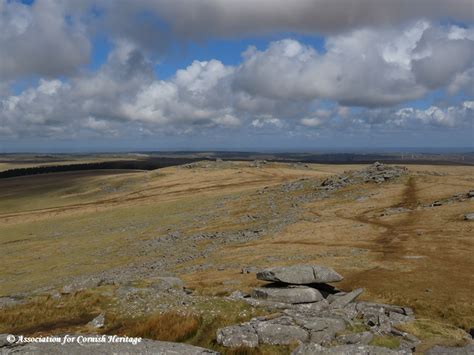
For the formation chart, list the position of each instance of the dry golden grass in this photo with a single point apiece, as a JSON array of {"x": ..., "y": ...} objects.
[
  {"x": 52, "y": 231},
  {"x": 171, "y": 326},
  {"x": 196, "y": 329},
  {"x": 45, "y": 314},
  {"x": 432, "y": 332}
]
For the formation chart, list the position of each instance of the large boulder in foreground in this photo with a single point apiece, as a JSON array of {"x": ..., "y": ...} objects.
[
  {"x": 145, "y": 346},
  {"x": 313, "y": 349},
  {"x": 299, "y": 274},
  {"x": 294, "y": 294}
]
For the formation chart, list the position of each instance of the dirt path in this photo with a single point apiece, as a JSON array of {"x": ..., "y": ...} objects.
[{"x": 390, "y": 243}]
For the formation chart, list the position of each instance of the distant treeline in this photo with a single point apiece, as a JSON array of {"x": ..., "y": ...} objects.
[
  {"x": 145, "y": 164},
  {"x": 153, "y": 163}
]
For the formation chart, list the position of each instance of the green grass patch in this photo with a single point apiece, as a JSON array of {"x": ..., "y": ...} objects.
[{"x": 386, "y": 342}]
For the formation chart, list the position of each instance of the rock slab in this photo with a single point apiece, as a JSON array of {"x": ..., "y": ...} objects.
[
  {"x": 293, "y": 295},
  {"x": 299, "y": 274},
  {"x": 237, "y": 336}
]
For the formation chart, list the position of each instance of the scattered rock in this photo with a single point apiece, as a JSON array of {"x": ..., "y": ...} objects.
[
  {"x": 237, "y": 336},
  {"x": 459, "y": 197},
  {"x": 10, "y": 301},
  {"x": 98, "y": 322},
  {"x": 342, "y": 301},
  {"x": 167, "y": 283},
  {"x": 293, "y": 294},
  {"x": 249, "y": 270},
  {"x": 469, "y": 217},
  {"x": 300, "y": 274}
]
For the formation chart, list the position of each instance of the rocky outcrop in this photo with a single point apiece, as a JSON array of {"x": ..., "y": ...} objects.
[
  {"x": 317, "y": 322},
  {"x": 459, "y": 197},
  {"x": 376, "y": 172},
  {"x": 316, "y": 314},
  {"x": 299, "y": 274}
]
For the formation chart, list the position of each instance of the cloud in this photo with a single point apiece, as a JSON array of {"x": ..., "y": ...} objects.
[
  {"x": 409, "y": 118},
  {"x": 52, "y": 37},
  {"x": 224, "y": 18},
  {"x": 442, "y": 55},
  {"x": 362, "y": 68},
  {"x": 40, "y": 40},
  {"x": 287, "y": 86}
]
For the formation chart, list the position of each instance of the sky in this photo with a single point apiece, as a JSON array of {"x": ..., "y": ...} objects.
[{"x": 149, "y": 75}]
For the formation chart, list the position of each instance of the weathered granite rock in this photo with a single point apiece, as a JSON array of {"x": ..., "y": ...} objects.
[
  {"x": 407, "y": 341},
  {"x": 266, "y": 304},
  {"x": 444, "y": 350},
  {"x": 10, "y": 301},
  {"x": 143, "y": 347},
  {"x": 299, "y": 274},
  {"x": 344, "y": 300},
  {"x": 280, "y": 334},
  {"x": 238, "y": 335},
  {"x": 3, "y": 340},
  {"x": 363, "y": 338},
  {"x": 312, "y": 307},
  {"x": 292, "y": 294},
  {"x": 98, "y": 322},
  {"x": 317, "y": 324},
  {"x": 310, "y": 318},
  {"x": 398, "y": 318},
  {"x": 469, "y": 217},
  {"x": 324, "y": 338},
  {"x": 381, "y": 317},
  {"x": 315, "y": 349}
]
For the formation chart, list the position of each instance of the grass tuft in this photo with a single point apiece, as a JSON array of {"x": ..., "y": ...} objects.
[
  {"x": 46, "y": 314},
  {"x": 386, "y": 342},
  {"x": 170, "y": 326}
]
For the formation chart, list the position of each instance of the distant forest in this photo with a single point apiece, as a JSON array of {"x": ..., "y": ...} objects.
[{"x": 146, "y": 164}]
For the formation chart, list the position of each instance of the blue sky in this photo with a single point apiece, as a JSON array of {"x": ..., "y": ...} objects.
[{"x": 248, "y": 75}]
